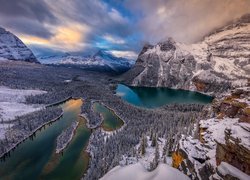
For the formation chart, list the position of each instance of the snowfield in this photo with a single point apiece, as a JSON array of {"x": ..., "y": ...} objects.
[
  {"x": 138, "y": 172},
  {"x": 12, "y": 103}
]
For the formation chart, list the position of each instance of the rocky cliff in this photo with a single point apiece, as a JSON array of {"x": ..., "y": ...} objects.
[
  {"x": 12, "y": 48},
  {"x": 219, "y": 62},
  {"x": 222, "y": 147}
]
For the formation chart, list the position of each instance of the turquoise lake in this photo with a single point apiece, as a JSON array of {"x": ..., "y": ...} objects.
[{"x": 153, "y": 97}]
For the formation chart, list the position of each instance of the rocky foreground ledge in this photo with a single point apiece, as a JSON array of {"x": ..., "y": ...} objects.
[{"x": 222, "y": 147}]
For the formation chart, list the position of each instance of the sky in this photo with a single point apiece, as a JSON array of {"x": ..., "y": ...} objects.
[{"x": 120, "y": 27}]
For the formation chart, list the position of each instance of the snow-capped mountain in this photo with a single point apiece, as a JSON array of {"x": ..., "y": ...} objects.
[
  {"x": 214, "y": 65},
  {"x": 101, "y": 61},
  {"x": 12, "y": 48}
]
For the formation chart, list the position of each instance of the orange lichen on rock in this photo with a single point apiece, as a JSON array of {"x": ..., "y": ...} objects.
[{"x": 177, "y": 159}]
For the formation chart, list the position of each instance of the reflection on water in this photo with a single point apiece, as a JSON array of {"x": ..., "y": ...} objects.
[{"x": 36, "y": 158}]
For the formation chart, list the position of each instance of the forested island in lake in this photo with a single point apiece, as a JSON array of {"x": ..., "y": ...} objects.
[{"x": 81, "y": 97}]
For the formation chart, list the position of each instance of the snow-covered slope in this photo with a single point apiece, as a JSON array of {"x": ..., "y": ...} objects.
[
  {"x": 219, "y": 62},
  {"x": 12, "y": 104},
  {"x": 12, "y": 48},
  {"x": 137, "y": 172},
  {"x": 101, "y": 59}
]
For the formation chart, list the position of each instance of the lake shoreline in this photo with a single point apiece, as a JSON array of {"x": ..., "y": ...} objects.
[{"x": 2, "y": 156}]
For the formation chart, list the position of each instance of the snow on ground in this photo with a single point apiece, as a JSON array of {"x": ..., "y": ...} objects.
[
  {"x": 16, "y": 95},
  {"x": 9, "y": 110},
  {"x": 225, "y": 168},
  {"x": 12, "y": 103},
  {"x": 138, "y": 167},
  {"x": 226, "y": 66},
  {"x": 138, "y": 172},
  {"x": 215, "y": 129},
  {"x": 149, "y": 155}
]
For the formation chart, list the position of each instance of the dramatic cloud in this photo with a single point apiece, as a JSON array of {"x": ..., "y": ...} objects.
[
  {"x": 185, "y": 20},
  {"x": 26, "y": 16},
  {"x": 118, "y": 26}
]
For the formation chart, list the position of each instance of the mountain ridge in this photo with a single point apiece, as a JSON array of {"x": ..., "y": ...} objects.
[
  {"x": 12, "y": 48},
  {"x": 218, "y": 63},
  {"x": 100, "y": 60}
]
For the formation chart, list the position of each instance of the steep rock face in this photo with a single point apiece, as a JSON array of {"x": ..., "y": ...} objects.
[
  {"x": 12, "y": 48},
  {"x": 219, "y": 62}
]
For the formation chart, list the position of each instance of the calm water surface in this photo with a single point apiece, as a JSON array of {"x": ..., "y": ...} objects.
[
  {"x": 36, "y": 158},
  {"x": 110, "y": 120},
  {"x": 30, "y": 159},
  {"x": 153, "y": 97}
]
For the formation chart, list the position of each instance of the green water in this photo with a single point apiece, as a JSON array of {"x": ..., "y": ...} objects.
[
  {"x": 110, "y": 120},
  {"x": 153, "y": 97},
  {"x": 30, "y": 158}
]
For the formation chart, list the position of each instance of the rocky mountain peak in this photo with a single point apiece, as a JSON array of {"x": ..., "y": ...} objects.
[
  {"x": 167, "y": 45},
  {"x": 12, "y": 48},
  {"x": 218, "y": 63}
]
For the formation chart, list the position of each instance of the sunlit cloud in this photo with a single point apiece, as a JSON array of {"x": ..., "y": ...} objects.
[
  {"x": 34, "y": 40},
  {"x": 70, "y": 37}
]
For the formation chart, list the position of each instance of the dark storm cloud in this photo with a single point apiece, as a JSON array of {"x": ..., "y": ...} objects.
[
  {"x": 26, "y": 17},
  {"x": 26, "y": 26},
  {"x": 31, "y": 9}
]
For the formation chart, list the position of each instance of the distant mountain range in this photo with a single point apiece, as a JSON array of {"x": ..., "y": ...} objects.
[
  {"x": 12, "y": 48},
  {"x": 221, "y": 61},
  {"x": 101, "y": 61}
]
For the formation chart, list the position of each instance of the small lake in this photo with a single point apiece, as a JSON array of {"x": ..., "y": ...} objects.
[
  {"x": 35, "y": 158},
  {"x": 153, "y": 97},
  {"x": 110, "y": 122}
]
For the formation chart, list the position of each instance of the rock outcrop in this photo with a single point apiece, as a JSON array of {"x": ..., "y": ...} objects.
[
  {"x": 12, "y": 48},
  {"x": 222, "y": 150},
  {"x": 218, "y": 63}
]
